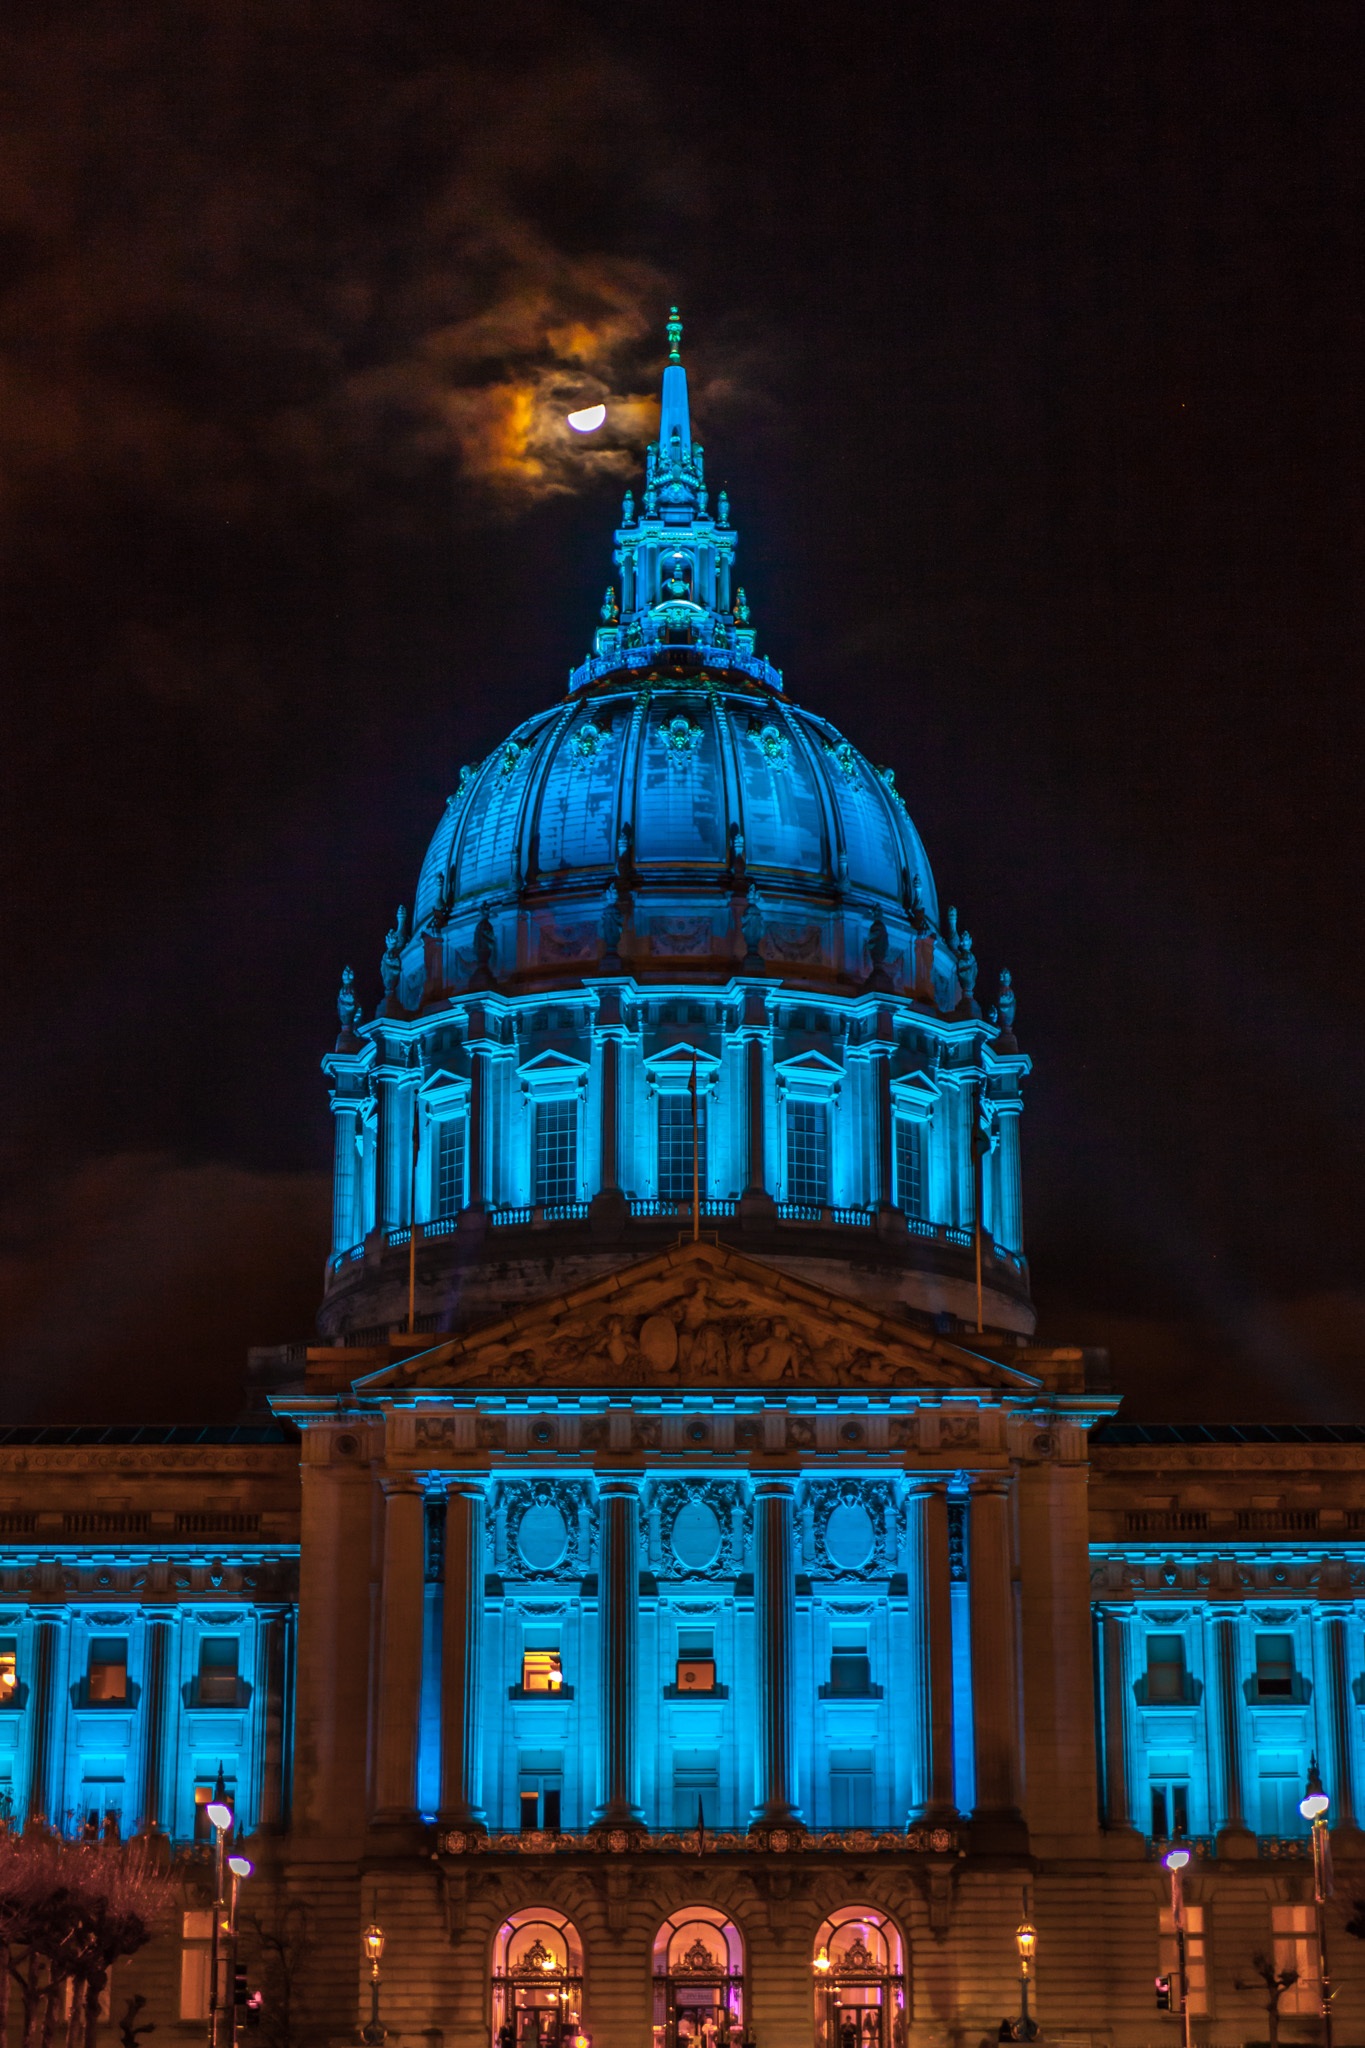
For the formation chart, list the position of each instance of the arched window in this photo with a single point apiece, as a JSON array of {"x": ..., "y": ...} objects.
[
  {"x": 537, "y": 1981},
  {"x": 859, "y": 1968},
  {"x": 698, "y": 1980}
]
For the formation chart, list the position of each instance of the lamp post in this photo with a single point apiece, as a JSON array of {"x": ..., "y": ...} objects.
[
  {"x": 240, "y": 1866},
  {"x": 1313, "y": 1806},
  {"x": 1026, "y": 1941},
  {"x": 220, "y": 1820},
  {"x": 1176, "y": 1860},
  {"x": 372, "y": 1940}
]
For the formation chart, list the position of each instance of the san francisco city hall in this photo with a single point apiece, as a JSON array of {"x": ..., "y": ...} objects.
[{"x": 713, "y": 1616}]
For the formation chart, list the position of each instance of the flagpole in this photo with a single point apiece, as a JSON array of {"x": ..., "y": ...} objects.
[
  {"x": 412, "y": 1216},
  {"x": 696, "y": 1154}
]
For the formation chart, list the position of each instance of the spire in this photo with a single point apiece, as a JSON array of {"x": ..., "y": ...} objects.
[{"x": 674, "y": 417}]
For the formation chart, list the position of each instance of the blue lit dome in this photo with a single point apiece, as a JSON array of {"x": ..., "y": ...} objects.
[{"x": 676, "y": 890}]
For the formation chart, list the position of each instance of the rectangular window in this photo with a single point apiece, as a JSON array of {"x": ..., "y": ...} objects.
[
  {"x": 9, "y": 1671},
  {"x": 218, "y": 1671},
  {"x": 107, "y": 1671},
  {"x": 696, "y": 1659},
  {"x": 540, "y": 1781},
  {"x": 850, "y": 1788},
  {"x": 450, "y": 1148},
  {"x": 1166, "y": 1670},
  {"x": 696, "y": 1787},
  {"x": 556, "y": 1151},
  {"x": 1275, "y": 1667},
  {"x": 1196, "y": 1966},
  {"x": 203, "y": 1799},
  {"x": 541, "y": 1671},
  {"x": 850, "y": 1667},
  {"x": 1296, "y": 1949},
  {"x": 808, "y": 1152},
  {"x": 675, "y": 1147},
  {"x": 1280, "y": 1796},
  {"x": 1170, "y": 1810},
  {"x": 196, "y": 1938},
  {"x": 910, "y": 1166}
]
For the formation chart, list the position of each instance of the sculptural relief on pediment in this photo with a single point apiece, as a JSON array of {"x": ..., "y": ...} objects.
[{"x": 708, "y": 1335}]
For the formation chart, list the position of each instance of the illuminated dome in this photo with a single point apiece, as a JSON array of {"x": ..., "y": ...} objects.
[{"x": 676, "y": 874}]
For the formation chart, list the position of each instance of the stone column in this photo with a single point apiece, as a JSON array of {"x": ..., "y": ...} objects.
[
  {"x": 933, "y": 1707},
  {"x": 45, "y": 1648},
  {"x": 753, "y": 1071},
  {"x": 774, "y": 1642},
  {"x": 618, "y": 1626},
  {"x": 400, "y": 1652},
  {"x": 346, "y": 1220},
  {"x": 152, "y": 1820},
  {"x": 461, "y": 1658},
  {"x": 478, "y": 1120},
  {"x": 881, "y": 1075},
  {"x": 1342, "y": 1784},
  {"x": 1234, "y": 1836},
  {"x": 611, "y": 1058},
  {"x": 995, "y": 1662},
  {"x": 1118, "y": 1812},
  {"x": 271, "y": 1681}
]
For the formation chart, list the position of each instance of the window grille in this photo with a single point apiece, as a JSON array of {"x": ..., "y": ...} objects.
[
  {"x": 450, "y": 1148},
  {"x": 1196, "y": 1963},
  {"x": 1296, "y": 1948},
  {"x": 807, "y": 1152},
  {"x": 556, "y": 1150},
  {"x": 909, "y": 1166},
  {"x": 675, "y": 1146}
]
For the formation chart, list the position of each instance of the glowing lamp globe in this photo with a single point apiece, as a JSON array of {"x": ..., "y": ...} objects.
[
  {"x": 373, "y": 1939},
  {"x": 1176, "y": 1859},
  {"x": 220, "y": 1815},
  {"x": 1314, "y": 1802},
  {"x": 240, "y": 1866},
  {"x": 588, "y": 420}
]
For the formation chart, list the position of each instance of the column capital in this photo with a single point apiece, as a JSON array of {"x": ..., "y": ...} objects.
[
  {"x": 991, "y": 1483},
  {"x": 768, "y": 1485},
  {"x": 926, "y": 1485},
  {"x": 619, "y": 1482},
  {"x": 396, "y": 1483}
]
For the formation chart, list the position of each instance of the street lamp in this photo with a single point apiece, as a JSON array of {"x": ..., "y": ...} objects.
[
  {"x": 1026, "y": 1941},
  {"x": 1176, "y": 1860},
  {"x": 219, "y": 1813},
  {"x": 240, "y": 1867},
  {"x": 1313, "y": 1806},
  {"x": 372, "y": 1941}
]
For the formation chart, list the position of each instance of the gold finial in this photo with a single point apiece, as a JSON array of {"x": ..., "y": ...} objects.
[{"x": 674, "y": 335}]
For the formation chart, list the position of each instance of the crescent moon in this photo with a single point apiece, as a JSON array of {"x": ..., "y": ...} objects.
[{"x": 588, "y": 420}]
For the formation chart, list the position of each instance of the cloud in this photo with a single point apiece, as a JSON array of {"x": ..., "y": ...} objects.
[
  {"x": 132, "y": 1285},
  {"x": 226, "y": 289}
]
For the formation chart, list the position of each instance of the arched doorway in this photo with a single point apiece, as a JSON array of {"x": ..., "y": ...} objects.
[
  {"x": 537, "y": 1981},
  {"x": 859, "y": 1968},
  {"x": 698, "y": 1980}
]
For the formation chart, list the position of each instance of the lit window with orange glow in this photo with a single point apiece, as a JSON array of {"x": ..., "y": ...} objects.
[
  {"x": 9, "y": 1672},
  {"x": 541, "y": 1671}
]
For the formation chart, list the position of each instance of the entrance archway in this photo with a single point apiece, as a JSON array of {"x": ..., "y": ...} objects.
[
  {"x": 859, "y": 1969},
  {"x": 698, "y": 1980},
  {"x": 537, "y": 1981}
]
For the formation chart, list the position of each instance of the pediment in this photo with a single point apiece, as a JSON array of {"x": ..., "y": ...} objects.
[{"x": 700, "y": 1315}]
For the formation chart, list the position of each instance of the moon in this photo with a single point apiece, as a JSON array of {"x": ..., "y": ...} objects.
[{"x": 588, "y": 420}]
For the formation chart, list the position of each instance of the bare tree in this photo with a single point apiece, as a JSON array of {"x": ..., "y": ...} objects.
[
  {"x": 1276, "y": 1983},
  {"x": 68, "y": 1912}
]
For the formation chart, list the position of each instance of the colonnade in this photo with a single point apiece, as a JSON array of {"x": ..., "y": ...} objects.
[
  {"x": 1220, "y": 1660},
  {"x": 928, "y": 1715}
]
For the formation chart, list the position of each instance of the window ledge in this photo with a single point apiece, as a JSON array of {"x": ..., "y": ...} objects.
[
  {"x": 548, "y": 1694},
  {"x": 867, "y": 1692},
  {"x": 696, "y": 1692}
]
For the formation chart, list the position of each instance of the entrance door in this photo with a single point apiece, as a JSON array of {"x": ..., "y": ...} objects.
[{"x": 699, "y": 2016}]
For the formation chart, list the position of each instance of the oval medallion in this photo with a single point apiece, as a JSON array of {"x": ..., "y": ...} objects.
[
  {"x": 542, "y": 1538},
  {"x": 696, "y": 1536},
  {"x": 849, "y": 1536}
]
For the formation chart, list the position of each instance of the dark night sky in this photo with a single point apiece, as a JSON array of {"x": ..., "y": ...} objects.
[{"x": 1030, "y": 341}]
